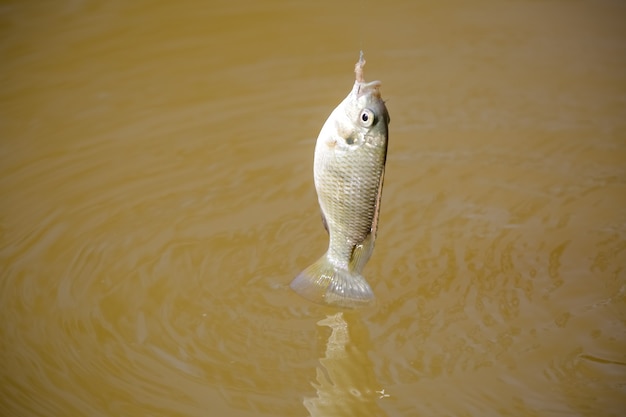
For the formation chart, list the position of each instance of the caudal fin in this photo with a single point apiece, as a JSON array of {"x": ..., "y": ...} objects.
[{"x": 324, "y": 283}]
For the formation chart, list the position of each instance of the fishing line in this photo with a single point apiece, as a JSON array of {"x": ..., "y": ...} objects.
[{"x": 363, "y": 6}]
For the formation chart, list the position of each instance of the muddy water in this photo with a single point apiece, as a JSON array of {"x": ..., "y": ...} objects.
[{"x": 157, "y": 199}]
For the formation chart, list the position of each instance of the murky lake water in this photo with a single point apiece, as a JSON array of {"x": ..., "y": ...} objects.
[{"x": 157, "y": 199}]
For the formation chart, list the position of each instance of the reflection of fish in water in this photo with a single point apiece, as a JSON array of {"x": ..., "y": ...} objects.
[
  {"x": 345, "y": 381},
  {"x": 349, "y": 167}
]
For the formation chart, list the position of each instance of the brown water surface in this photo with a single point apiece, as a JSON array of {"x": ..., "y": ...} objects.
[{"x": 157, "y": 199}]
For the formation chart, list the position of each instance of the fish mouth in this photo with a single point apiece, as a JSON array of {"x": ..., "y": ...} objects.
[
  {"x": 367, "y": 88},
  {"x": 362, "y": 88}
]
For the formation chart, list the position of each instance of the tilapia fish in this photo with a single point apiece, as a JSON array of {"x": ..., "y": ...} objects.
[{"x": 348, "y": 171}]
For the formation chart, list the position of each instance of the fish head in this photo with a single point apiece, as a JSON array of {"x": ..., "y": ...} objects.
[
  {"x": 361, "y": 118},
  {"x": 368, "y": 114}
]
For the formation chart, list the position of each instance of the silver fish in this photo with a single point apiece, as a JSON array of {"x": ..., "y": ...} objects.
[{"x": 349, "y": 167}]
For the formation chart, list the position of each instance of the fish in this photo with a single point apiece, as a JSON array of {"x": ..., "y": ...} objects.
[{"x": 348, "y": 172}]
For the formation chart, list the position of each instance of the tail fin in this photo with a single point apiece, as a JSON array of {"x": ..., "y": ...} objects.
[{"x": 324, "y": 283}]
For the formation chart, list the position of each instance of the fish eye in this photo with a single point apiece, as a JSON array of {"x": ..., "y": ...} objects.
[{"x": 366, "y": 118}]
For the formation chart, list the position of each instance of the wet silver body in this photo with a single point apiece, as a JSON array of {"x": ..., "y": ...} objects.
[{"x": 349, "y": 167}]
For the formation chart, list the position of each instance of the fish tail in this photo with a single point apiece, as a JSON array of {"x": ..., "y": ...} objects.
[{"x": 325, "y": 283}]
